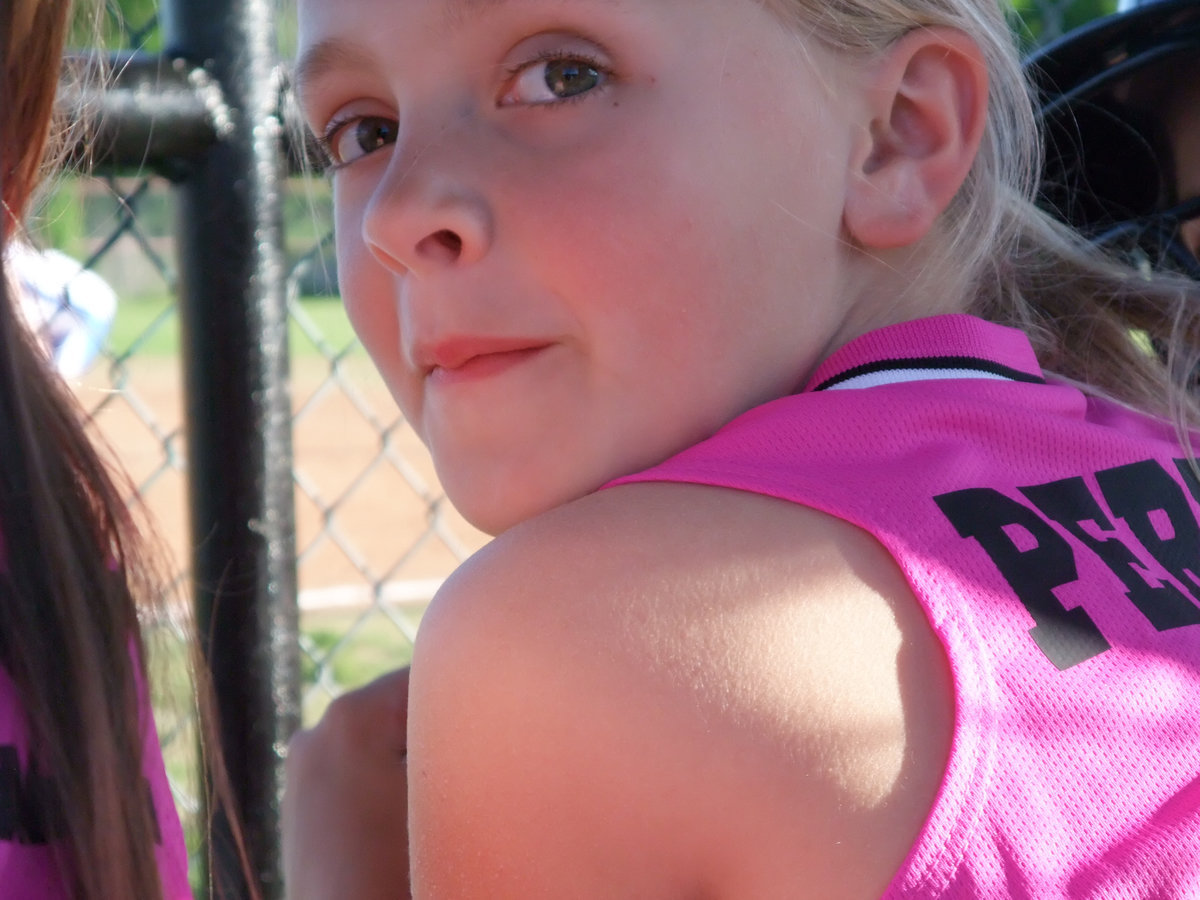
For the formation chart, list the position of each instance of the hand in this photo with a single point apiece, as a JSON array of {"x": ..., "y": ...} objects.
[{"x": 345, "y": 807}]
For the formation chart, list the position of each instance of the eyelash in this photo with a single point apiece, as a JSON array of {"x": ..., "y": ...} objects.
[
  {"x": 329, "y": 164},
  {"x": 560, "y": 56}
]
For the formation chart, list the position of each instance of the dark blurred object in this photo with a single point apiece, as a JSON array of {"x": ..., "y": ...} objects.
[{"x": 1106, "y": 91}]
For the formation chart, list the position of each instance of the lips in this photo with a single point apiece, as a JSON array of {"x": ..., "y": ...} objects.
[{"x": 466, "y": 359}]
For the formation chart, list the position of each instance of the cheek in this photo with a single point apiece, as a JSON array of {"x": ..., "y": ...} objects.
[
  {"x": 361, "y": 279},
  {"x": 361, "y": 293},
  {"x": 638, "y": 234},
  {"x": 368, "y": 296},
  {"x": 1190, "y": 232},
  {"x": 1188, "y": 170}
]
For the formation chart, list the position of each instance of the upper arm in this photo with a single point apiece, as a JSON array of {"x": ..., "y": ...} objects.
[
  {"x": 617, "y": 707},
  {"x": 535, "y": 756}
]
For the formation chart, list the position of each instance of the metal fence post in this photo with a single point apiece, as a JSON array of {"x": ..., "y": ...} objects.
[{"x": 234, "y": 329}]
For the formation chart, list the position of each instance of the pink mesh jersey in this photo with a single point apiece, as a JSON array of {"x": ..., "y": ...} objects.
[
  {"x": 28, "y": 866},
  {"x": 1052, "y": 540}
]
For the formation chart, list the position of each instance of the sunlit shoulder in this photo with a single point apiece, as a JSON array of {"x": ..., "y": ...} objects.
[{"x": 672, "y": 690}]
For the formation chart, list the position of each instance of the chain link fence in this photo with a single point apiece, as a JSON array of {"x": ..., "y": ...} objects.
[{"x": 374, "y": 535}]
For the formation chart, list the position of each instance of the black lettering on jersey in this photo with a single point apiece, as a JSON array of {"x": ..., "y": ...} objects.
[
  {"x": 1069, "y": 503},
  {"x": 1189, "y": 477},
  {"x": 10, "y": 788},
  {"x": 29, "y": 812},
  {"x": 1136, "y": 491},
  {"x": 1066, "y": 636},
  {"x": 1035, "y": 559}
]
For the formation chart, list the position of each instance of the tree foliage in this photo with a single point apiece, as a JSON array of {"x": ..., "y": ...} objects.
[
  {"x": 117, "y": 24},
  {"x": 1040, "y": 21}
]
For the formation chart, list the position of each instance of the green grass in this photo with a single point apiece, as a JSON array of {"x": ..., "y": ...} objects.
[
  {"x": 149, "y": 326},
  {"x": 349, "y": 648}
]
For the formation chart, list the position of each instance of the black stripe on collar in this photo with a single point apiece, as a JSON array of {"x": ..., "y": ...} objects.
[{"x": 932, "y": 362}]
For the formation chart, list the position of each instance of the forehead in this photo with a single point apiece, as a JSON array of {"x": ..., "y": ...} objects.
[
  {"x": 327, "y": 27},
  {"x": 444, "y": 14},
  {"x": 337, "y": 34}
]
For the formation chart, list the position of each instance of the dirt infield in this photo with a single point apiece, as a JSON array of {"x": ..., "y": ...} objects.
[{"x": 366, "y": 509}]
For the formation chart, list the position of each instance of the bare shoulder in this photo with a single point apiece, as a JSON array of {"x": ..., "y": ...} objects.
[{"x": 669, "y": 690}]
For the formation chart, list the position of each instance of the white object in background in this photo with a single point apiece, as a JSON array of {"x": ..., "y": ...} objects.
[{"x": 71, "y": 308}]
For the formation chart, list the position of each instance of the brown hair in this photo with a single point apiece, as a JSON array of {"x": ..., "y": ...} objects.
[
  {"x": 31, "y": 37},
  {"x": 69, "y": 565}
]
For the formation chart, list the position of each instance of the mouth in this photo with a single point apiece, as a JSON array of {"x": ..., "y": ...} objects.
[{"x": 471, "y": 360}]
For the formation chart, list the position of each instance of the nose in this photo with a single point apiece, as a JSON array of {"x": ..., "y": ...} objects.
[{"x": 428, "y": 213}]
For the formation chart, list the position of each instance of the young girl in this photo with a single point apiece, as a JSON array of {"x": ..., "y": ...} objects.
[
  {"x": 847, "y": 537},
  {"x": 85, "y": 810}
]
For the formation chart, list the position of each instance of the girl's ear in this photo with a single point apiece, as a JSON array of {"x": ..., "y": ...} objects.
[{"x": 927, "y": 100}]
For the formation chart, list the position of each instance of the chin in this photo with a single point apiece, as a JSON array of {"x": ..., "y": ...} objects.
[
  {"x": 494, "y": 510},
  {"x": 490, "y": 522}
]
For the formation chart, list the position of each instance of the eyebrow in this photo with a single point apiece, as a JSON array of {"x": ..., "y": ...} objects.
[
  {"x": 324, "y": 57},
  {"x": 457, "y": 11},
  {"x": 338, "y": 53}
]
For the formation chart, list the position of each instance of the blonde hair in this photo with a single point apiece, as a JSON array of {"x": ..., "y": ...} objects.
[{"x": 1092, "y": 320}]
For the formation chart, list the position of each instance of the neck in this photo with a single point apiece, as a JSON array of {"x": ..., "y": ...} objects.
[{"x": 897, "y": 285}]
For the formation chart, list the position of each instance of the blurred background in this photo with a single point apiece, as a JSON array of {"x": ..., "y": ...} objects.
[{"x": 215, "y": 363}]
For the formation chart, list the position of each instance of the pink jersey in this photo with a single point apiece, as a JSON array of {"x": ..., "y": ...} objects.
[
  {"x": 1052, "y": 540},
  {"x": 27, "y": 865}
]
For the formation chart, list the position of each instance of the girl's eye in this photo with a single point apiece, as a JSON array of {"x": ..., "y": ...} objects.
[
  {"x": 547, "y": 81},
  {"x": 354, "y": 138}
]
